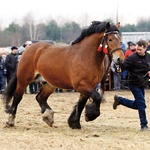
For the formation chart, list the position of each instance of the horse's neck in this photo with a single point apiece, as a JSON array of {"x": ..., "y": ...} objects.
[
  {"x": 100, "y": 57},
  {"x": 91, "y": 44}
]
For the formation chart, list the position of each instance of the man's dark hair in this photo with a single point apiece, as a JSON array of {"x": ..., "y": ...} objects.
[{"x": 142, "y": 43}]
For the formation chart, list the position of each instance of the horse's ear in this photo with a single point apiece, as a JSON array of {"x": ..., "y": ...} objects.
[
  {"x": 107, "y": 26},
  {"x": 118, "y": 25}
]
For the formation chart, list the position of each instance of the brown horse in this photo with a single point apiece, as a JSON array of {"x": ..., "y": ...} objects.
[{"x": 78, "y": 66}]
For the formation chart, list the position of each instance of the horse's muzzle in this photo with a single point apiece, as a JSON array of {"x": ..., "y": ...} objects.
[
  {"x": 118, "y": 65},
  {"x": 118, "y": 68}
]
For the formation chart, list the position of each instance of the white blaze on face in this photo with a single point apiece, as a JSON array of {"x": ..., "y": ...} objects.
[{"x": 116, "y": 36}]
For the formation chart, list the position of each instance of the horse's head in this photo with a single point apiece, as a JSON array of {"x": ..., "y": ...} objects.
[{"x": 112, "y": 44}]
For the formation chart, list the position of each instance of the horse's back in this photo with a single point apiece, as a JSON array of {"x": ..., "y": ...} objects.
[
  {"x": 27, "y": 63},
  {"x": 48, "y": 60},
  {"x": 54, "y": 65}
]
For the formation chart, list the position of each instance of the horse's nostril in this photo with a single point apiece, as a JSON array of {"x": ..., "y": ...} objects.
[{"x": 118, "y": 59}]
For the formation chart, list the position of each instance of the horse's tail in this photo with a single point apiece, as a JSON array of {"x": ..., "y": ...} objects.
[{"x": 9, "y": 92}]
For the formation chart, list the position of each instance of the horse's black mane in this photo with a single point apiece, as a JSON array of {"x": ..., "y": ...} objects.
[{"x": 95, "y": 27}]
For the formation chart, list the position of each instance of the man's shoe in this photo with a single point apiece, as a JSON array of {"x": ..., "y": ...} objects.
[
  {"x": 145, "y": 128},
  {"x": 116, "y": 103}
]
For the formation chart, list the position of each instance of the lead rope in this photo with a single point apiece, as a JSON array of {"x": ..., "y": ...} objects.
[{"x": 134, "y": 80}]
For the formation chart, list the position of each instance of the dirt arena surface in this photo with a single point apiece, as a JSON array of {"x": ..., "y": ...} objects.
[{"x": 113, "y": 130}]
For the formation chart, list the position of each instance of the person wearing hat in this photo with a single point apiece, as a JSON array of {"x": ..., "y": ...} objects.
[
  {"x": 11, "y": 63},
  {"x": 22, "y": 48},
  {"x": 131, "y": 50}
]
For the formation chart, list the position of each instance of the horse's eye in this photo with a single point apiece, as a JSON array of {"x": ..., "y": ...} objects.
[{"x": 109, "y": 40}]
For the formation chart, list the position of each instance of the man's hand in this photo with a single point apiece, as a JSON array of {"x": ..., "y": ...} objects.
[{"x": 148, "y": 73}]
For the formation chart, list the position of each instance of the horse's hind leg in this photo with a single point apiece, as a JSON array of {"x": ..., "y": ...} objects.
[
  {"x": 13, "y": 90},
  {"x": 13, "y": 109},
  {"x": 74, "y": 119},
  {"x": 47, "y": 112}
]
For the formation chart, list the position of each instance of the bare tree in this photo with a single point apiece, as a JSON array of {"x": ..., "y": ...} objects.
[{"x": 32, "y": 26}]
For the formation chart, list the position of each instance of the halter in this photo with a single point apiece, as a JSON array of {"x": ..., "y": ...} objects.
[
  {"x": 106, "y": 48},
  {"x": 110, "y": 56}
]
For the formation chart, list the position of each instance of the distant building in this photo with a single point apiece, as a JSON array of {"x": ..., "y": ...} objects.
[{"x": 134, "y": 36}]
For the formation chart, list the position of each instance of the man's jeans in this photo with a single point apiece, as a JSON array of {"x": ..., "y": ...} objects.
[{"x": 138, "y": 103}]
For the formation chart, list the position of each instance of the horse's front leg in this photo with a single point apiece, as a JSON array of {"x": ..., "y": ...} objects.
[
  {"x": 92, "y": 110},
  {"x": 12, "y": 110},
  {"x": 74, "y": 119}
]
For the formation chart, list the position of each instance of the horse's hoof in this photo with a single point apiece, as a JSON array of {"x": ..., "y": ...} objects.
[
  {"x": 9, "y": 124},
  {"x": 48, "y": 117},
  {"x": 48, "y": 121},
  {"x": 91, "y": 112},
  {"x": 91, "y": 117},
  {"x": 74, "y": 124},
  {"x": 11, "y": 120}
]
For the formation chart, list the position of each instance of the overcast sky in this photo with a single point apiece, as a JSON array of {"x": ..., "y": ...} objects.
[{"x": 81, "y": 11}]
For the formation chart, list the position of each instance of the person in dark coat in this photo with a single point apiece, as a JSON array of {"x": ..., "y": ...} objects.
[
  {"x": 11, "y": 63},
  {"x": 138, "y": 65}
]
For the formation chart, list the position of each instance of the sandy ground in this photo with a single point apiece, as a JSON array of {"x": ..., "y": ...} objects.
[{"x": 113, "y": 130}]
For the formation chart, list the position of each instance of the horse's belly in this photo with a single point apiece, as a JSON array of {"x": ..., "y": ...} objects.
[{"x": 58, "y": 81}]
